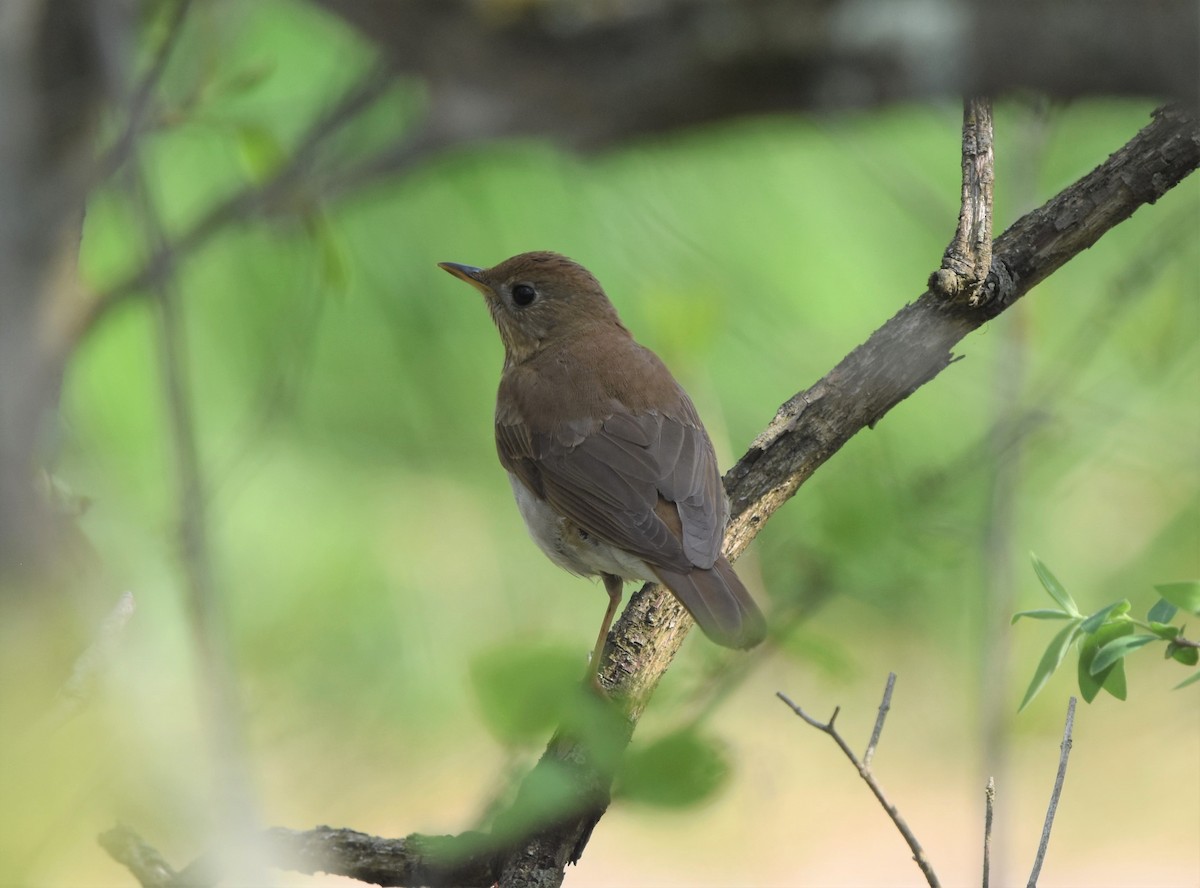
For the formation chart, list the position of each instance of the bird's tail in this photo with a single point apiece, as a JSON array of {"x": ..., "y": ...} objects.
[{"x": 718, "y": 602}]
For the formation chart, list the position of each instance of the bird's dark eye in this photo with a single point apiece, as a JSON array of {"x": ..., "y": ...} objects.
[{"x": 523, "y": 294}]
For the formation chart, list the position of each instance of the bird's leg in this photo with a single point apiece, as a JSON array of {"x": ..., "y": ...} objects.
[{"x": 614, "y": 586}]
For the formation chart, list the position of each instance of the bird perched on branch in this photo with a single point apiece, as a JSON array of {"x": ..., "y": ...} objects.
[{"x": 610, "y": 465}]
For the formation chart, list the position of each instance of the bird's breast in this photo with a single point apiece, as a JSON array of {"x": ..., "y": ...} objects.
[{"x": 571, "y": 547}]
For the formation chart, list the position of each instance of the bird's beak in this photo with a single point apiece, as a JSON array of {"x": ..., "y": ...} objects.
[{"x": 468, "y": 273}]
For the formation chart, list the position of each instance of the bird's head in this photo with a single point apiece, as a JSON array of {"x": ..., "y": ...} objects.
[{"x": 537, "y": 299}]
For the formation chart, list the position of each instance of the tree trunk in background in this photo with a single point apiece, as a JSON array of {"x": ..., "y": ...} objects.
[{"x": 52, "y": 77}]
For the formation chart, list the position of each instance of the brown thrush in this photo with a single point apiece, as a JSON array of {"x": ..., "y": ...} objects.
[{"x": 610, "y": 465}]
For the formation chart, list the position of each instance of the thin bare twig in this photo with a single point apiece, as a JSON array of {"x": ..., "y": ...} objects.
[
  {"x": 989, "y": 810},
  {"x": 1002, "y": 465},
  {"x": 140, "y": 100},
  {"x": 1064, "y": 754},
  {"x": 864, "y": 771},
  {"x": 884, "y": 707},
  {"x": 204, "y": 599}
]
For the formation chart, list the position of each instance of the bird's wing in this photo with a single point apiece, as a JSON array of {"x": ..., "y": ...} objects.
[{"x": 614, "y": 477}]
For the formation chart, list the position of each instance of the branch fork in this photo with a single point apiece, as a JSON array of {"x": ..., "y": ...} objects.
[{"x": 863, "y": 766}]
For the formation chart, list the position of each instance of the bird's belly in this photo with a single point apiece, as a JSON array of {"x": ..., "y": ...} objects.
[{"x": 571, "y": 547}]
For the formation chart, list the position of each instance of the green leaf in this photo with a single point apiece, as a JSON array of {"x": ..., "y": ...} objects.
[
  {"x": 1162, "y": 612},
  {"x": 1187, "y": 681},
  {"x": 1089, "y": 683},
  {"x": 550, "y": 790},
  {"x": 1116, "y": 609},
  {"x": 680, "y": 769},
  {"x": 245, "y": 79},
  {"x": 261, "y": 152},
  {"x": 1043, "y": 613},
  {"x": 1114, "y": 683},
  {"x": 598, "y": 727},
  {"x": 1051, "y": 659},
  {"x": 523, "y": 691},
  {"x": 1115, "y": 650},
  {"x": 1054, "y": 587},
  {"x": 1185, "y": 596},
  {"x": 1188, "y": 656},
  {"x": 333, "y": 269},
  {"x": 1164, "y": 631}
]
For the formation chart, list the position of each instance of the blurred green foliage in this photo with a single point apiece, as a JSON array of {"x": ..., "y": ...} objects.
[
  {"x": 678, "y": 770},
  {"x": 362, "y": 531}
]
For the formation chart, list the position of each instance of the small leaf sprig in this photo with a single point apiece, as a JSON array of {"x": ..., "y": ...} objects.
[{"x": 1110, "y": 634}]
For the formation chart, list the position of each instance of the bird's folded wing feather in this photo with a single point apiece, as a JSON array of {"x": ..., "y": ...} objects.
[{"x": 610, "y": 477}]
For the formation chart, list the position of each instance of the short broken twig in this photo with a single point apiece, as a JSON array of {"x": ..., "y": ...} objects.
[
  {"x": 864, "y": 771},
  {"x": 968, "y": 258},
  {"x": 989, "y": 810}
]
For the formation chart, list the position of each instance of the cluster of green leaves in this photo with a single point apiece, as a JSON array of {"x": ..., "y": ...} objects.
[
  {"x": 525, "y": 691},
  {"x": 1107, "y": 636}
]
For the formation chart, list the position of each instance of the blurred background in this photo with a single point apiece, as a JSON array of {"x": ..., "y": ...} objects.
[{"x": 273, "y": 430}]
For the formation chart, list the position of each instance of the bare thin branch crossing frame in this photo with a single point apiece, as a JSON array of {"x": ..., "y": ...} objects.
[{"x": 1055, "y": 795}]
